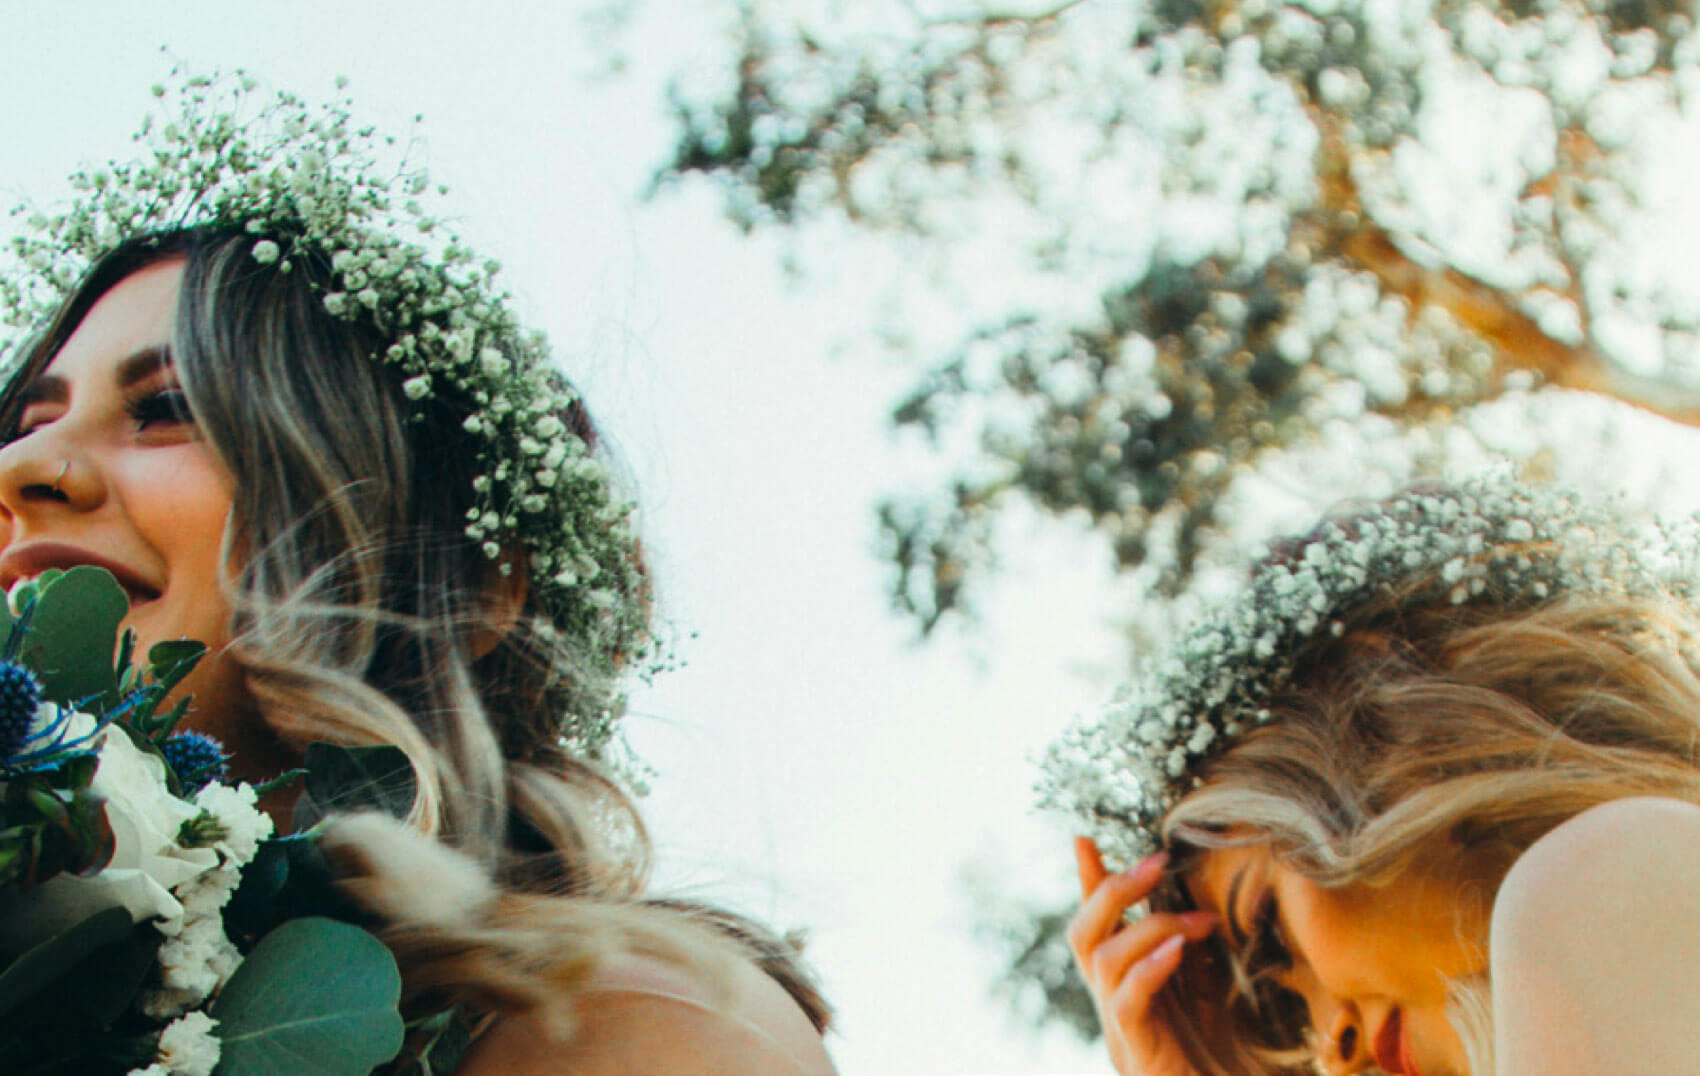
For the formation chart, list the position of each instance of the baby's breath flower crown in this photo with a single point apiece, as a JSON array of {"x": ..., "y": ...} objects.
[
  {"x": 1490, "y": 542},
  {"x": 307, "y": 182}
]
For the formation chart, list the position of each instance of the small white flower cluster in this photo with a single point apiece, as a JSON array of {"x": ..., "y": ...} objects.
[
  {"x": 197, "y": 957},
  {"x": 1490, "y": 540},
  {"x": 187, "y": 1047},
  {"x": 312, "y": 188}
]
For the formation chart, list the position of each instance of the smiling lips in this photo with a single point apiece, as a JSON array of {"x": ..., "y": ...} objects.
[
  {"x": 1393, "y": 1047},
  {"x": 32, "y": 558}
]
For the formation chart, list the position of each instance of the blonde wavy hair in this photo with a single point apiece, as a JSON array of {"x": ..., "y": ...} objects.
[
  {"x": 1426, "y": 736},
  {"x": 363, "y": 615}
]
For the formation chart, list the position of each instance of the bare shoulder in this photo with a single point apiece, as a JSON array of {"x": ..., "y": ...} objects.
[
  {"x": 1596, "y": 932},
  {"x": 1641, "y": 839},
  {"x": 645, "y": 1016}
]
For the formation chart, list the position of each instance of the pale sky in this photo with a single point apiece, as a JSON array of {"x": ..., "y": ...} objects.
[{"x": 815, "y": 767}]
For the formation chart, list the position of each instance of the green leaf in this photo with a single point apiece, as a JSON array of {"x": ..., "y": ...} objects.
[
  {"x": 105, "y": 983},
  {"x": 88, "y": 833},
  {"x": 47, "y": 962},
  {"x": 289, "y": 878},
  {"x": 354, "y": 779},
  {"x": 445, "y": 1046},
  {"x": 126, "y": 651},
  {"x": 73, "y": 635},
  {"x": 314, "y": 996},
  {"x": 169, "y": 662}
]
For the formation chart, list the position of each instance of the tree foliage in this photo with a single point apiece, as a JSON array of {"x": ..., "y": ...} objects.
[
  {"x": 1290, "y": 214},
  {"x": 1235, "y": 225}
]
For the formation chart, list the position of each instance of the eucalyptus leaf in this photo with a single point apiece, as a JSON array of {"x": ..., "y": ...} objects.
[
  {"x": 354, "y": 779},
  {"x": 105, "y": 983},
  {"x": 27, "y": 593},
  {"x": 314, "y": 996},
  {"x": 289, "y": 878},
  {"x": 49, "y": 961},
  {"x": 73, "y": 635}
]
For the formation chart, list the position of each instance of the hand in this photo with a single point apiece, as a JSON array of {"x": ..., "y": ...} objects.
[{"x": 1125, "y": 964}]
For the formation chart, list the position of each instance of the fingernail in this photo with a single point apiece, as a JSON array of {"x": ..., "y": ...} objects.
[
  {"x": 1199, "y": 920},
  {"x": 1151, "y": 864},
  {"x": 1166, "y": 950}
]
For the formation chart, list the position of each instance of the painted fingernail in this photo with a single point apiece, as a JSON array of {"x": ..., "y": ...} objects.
[
  {"x": 1166, "y": 950},
  {"x": 1198, "y": 921}
]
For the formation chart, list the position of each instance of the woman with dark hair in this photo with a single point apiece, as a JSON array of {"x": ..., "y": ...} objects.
[
  {"x": 298, "y": 422},
  {"x": 1424, "y": 799}
]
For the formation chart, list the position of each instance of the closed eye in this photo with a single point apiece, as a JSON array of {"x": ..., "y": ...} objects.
[
  {"x": 1275, "y": 1015},
  {"x": 1268, "y": 949},
  {"x": 167, "y": 405}
]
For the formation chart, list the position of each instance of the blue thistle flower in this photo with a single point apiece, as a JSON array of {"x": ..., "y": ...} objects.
[
  {"x": 196, "y": 758},
  {"x": 20, "y": 698}
]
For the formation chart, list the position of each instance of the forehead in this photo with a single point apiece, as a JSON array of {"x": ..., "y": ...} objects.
[{"x": 135, "y": 315}]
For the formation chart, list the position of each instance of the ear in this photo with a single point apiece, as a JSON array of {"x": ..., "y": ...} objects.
[{"x": 502, "y": 600}]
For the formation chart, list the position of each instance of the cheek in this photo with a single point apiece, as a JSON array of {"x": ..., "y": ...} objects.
[
  {"x": 1343, "y": 939},
  {"x": 1437, "y": 1044},
  {"x": 1407, "y": 941},
  {"x": 180, "y": 508}
]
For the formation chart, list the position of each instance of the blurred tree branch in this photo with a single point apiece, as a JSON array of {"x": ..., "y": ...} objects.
[{"x": 1293, "y": 215}]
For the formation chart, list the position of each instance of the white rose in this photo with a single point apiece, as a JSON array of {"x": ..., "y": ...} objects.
[{"x": 147, "y": 862}]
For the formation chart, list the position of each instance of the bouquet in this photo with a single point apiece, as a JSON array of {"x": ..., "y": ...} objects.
[{"x": 151, "y": 923}]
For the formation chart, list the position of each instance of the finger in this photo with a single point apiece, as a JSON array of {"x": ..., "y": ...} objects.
[
  {"x": 1111, "y": 960},
  {"x": 1100, "y": 915},
  {"x": 1090, "y": 863},
  {"x": 1130, "y": 1003}
]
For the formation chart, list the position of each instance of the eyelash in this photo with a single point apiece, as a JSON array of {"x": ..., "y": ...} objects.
[
  {"x": 165, "y": 405},
  {"x": 1268, "y": 946}
]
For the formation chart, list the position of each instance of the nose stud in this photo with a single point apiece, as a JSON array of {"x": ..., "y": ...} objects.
[{"x": 63, "y": 471}]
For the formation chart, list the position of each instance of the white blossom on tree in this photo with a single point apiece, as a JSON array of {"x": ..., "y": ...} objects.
[{"x": 1182, "y": 238}]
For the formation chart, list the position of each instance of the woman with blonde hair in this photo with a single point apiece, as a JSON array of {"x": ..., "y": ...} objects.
[
  {"x": 1424, "y": 799},
  {"x": 298, "y": 421}
]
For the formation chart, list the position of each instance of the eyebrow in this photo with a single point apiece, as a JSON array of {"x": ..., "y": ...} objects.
[{"x": 137, "y": 366}]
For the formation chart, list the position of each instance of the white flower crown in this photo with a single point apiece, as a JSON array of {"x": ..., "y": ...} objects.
[
  {"x": 307, "y": 183},
  {"x": 1488, "y": 541}
]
